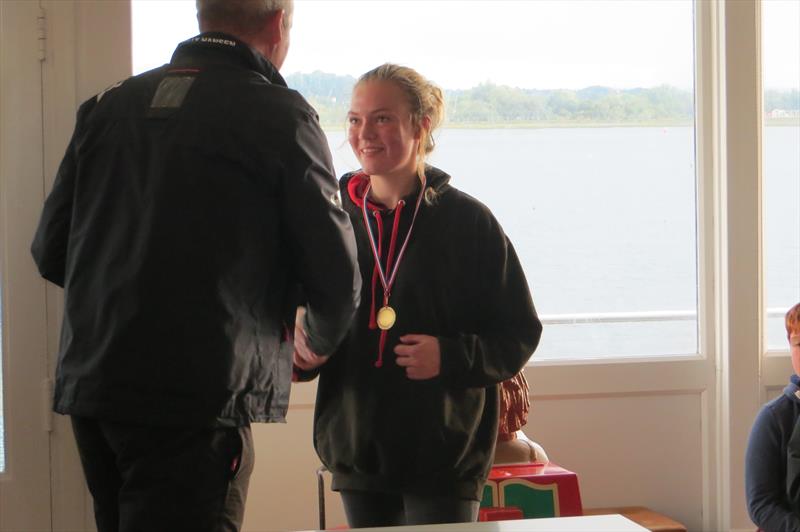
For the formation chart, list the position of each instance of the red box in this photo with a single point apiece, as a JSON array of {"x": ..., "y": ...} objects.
[
  {"x": 538, "y": 489},
  {"x": 494, "y": 513}
]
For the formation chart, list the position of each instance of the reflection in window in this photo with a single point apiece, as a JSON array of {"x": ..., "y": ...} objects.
[
  {"x": 781, "y": 160},
  {"x": 581, "y": 144}
]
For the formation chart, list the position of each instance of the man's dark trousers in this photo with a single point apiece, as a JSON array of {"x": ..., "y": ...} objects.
[{"x": 165, "y": 479}]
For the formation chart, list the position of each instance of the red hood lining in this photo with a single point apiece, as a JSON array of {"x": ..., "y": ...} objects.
[{"x": 357, "y": 187}]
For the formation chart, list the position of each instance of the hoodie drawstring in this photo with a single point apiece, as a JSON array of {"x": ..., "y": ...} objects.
[{"x": 373, "y": 323}]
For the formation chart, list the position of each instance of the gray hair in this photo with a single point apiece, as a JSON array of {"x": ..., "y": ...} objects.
[{"x": 240, "y": 17}]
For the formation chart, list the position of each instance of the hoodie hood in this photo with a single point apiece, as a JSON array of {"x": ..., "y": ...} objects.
[
  {"x": 355, "y": 183},
  {"x": 792, "y": 390}
]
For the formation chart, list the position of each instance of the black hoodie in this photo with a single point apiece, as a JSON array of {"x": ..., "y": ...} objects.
[{"x": 459, "y": 280}]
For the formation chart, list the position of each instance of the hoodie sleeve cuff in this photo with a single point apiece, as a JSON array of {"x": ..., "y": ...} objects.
[{"x": 454, "y": 364}]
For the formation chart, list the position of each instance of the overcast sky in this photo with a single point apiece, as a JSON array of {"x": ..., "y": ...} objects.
[{"x": 461, "y": 43}]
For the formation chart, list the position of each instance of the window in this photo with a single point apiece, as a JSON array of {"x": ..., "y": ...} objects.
[
  {"x": 581, "y": 144},
  {"x": 781, "y": 164}
]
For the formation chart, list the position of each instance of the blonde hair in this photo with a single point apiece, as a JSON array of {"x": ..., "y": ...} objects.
[
  {"x": 425, "y": 99},
  {"x": 793, "y": 321},
  {"x": 240, "y": 17}
]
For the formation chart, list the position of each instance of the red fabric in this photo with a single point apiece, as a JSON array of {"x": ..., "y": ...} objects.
[
  {"x": 356, "y": 188},
  {"x": 393, "y": 240}
]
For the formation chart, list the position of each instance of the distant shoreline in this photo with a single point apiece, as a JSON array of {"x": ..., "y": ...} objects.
[{"x": 772, "y": 122}]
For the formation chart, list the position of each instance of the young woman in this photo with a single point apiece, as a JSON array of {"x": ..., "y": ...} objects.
[{"x": 407, "y": 408}]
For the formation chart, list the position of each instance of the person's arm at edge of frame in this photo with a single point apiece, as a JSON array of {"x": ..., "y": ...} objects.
[
  {"x": 512, "y": 327},
  {"x": 49, "y": 247},
  {"x": 793, "y": 469},
  {"x": 767, "y": 503},
  {"x": 322, "y": 238}
]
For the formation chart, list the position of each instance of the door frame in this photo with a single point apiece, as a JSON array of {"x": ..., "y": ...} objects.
[{"x": 25, "y": 491}]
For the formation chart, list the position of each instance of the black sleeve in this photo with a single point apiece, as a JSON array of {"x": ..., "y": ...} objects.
[
  {"x": 793, "y": 469},
  {"x": 302, "y": 375},
  {"x": 322, "y": 239},
  {"x": 508, "y": 329},
  {"x": 49, "y": 248},
  {"x": 765, "y": 477}
]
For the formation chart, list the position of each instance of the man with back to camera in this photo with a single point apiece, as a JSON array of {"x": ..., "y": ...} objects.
[{"x": 189, "y": 199}]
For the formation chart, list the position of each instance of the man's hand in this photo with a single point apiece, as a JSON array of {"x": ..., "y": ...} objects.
[
  {"x": 420, "y": 355},
  {"x": 303, "y": 357}
]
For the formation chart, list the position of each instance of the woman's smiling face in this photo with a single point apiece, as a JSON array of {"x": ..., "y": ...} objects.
[{"x": 380, "y": 130}]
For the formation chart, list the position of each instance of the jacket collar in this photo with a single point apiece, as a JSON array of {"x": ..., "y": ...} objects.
[{"x": 228, "y": 49}]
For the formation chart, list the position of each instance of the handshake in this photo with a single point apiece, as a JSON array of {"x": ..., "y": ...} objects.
[
  {"x": 419, "y": 354},
  {"x": 303, "y": 357}
]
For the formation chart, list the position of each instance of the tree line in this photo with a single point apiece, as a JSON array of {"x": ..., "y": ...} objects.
[{"x": 492, "y": 105}]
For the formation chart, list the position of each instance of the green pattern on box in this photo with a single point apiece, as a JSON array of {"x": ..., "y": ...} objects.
[
  {"x": 533, "y": 502},
  {"x": 487, "y": 500}
]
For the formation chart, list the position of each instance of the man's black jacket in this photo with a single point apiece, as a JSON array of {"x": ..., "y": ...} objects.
[{"x": 190, "y": 199}]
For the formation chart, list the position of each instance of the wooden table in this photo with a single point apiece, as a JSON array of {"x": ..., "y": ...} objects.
[
  {"x": 646, "y": 517},
  {"x": 587, "y": 523}
]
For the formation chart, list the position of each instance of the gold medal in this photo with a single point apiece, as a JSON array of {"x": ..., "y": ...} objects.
[{"x": 386, "y": 318}]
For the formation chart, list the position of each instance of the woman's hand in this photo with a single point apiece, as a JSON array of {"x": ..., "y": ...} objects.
[
  {"x": 303, "y": 357},
  {"x": 420, "y": 355}
]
